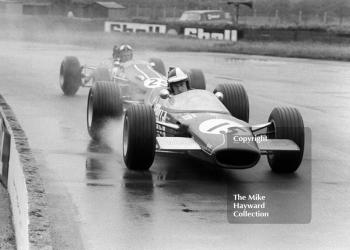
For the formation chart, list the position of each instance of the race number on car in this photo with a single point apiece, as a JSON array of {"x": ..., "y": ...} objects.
[{"x": 154, "y": 83}]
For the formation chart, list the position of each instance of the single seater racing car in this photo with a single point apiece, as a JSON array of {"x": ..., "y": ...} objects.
[
  {"x": 73, "y": 75},
  {"x": 213, "y": 127}
]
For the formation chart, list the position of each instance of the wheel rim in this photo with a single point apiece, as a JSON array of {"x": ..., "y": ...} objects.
[
  {"x": 125, "y": 136},
  {"x": 90, "y": 110}
]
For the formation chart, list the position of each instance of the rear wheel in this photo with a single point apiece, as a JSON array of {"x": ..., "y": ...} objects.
[
  {"x": 158, "y": 65},
  {"x": 235, "y": 100},
  {"x": 287, "y": 123},
  {"x": 70, "y": 75},
  {"x": 104, "y": 102},
  {"x": 139, "y": 137},
  {"x": 196, "y": 79}
]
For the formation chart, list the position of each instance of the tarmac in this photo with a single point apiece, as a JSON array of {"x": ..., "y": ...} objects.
[
  {"x": 95, "y": 202},
  {"x": 7, "y": 235}
]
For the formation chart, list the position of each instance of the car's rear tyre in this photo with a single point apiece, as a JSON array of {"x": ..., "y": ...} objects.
[
  {"x": 101, "y": 74},
  {"x": 70, "y": 75},
  {"x": 196, "y": 79},
  {"x": 287, "y": 123},
  {"x": 158, "y": 65},
  {"x": 104, "y": 102},
  {"x": 139, "y": 137},
  {"x": 235, "y": 100}
]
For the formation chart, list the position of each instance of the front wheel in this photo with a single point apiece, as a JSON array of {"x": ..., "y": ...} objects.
[
  {"x": 235, "y": 100},
  {"x": 70, "y": 75},
  {"x": 158, "y": 65},
  {"x": 139, "y": 137},
  {"x": 104, "y": 102},
  {"x": 196, "y": 79},
  {"x": 287, "y": 123}
]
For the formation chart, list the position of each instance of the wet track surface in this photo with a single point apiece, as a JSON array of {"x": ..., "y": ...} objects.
[{"x": 96, "y": 203}]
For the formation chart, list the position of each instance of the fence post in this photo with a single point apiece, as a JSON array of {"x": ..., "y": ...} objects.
[
  {"x": 300, "y": 19},
  {"x": 325, "y": 17},
  {"x": 276, "y": 17},
  {"x": 164, "y": 12},
  {"x": 341, "y": 20},
  {"x": 276, "y": 14},
  {"x": 137, "y": 10}
]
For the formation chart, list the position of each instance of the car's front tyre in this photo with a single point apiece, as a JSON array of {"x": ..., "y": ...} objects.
[
  {"x": 158, "y": 65},
  {"x": 196, "y": 79},
  {"x": 235, "y": 99},
  {"x": 287, "y": 123},
  {"x": 70, "y": 75},
  {"x": 104, "y": 102},
  {"x": 139, "y": 137}
]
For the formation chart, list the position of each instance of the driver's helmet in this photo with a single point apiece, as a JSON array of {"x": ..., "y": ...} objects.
[
  {"x": 125, "y": 53},
  {"x": 177, "y": 81}
]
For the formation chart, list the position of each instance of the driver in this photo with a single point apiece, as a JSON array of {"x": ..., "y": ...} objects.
[
  {"x": 122, "y": 54},
  {"x": 177, "y": 81}
]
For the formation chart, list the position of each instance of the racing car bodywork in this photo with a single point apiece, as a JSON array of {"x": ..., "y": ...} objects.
[
  {"x": 73, "y": 75},
  {"x": 212, "y": 127}
]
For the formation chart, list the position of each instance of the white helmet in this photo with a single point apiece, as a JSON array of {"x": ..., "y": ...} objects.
[
  {"x": 124, "y": 53},
  {"x": 175, "y": 76}
]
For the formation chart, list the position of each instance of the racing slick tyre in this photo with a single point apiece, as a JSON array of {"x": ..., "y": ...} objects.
[
  {"x": 104, "y": 102},
  {"x": 101, "y": 74},
  {"x": 196, "y": 79},
  {"x": 235, "y": 100},
  {"x": 287, "y": 123},
  {"x": 139, "y": 137},
  {"x": 158, "y": 65},
  {"x": 70, "y": 75}
]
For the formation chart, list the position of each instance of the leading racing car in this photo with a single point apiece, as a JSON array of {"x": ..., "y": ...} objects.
[
  {"x": 198, "y": 123},
  {"x": 210, "y": 126}
]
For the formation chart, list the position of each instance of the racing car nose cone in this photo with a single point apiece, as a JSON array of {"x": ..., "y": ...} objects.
[{"x": 244, "y": 156}]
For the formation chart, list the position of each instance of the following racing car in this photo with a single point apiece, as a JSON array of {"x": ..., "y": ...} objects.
[
  {"x": 122, "y": 81},
  {"x": 73, "y": 75}
]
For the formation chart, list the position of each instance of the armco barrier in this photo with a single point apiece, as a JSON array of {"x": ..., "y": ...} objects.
[
  {"x": 5, "y": 146},
  {"x": 27, "y": 196}
]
